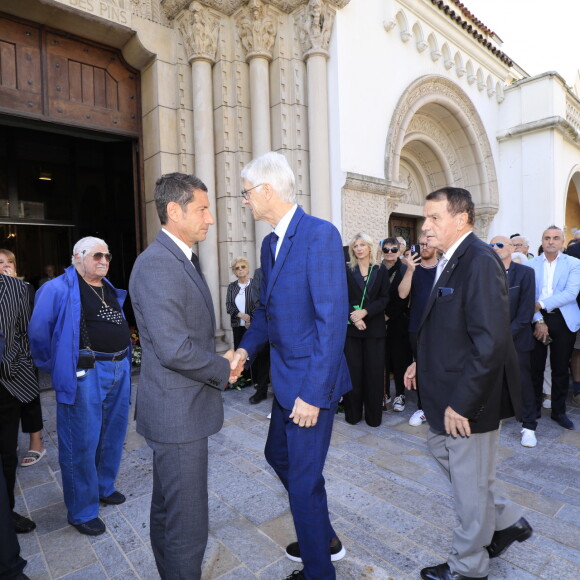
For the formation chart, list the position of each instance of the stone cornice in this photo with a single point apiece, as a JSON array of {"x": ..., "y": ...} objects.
[
  {"x": 555, "y": 122},
  {"x": 257, "y": 30},
  {"x": 199, "y": 30},
  {"x": 375, "y": 185},
  {"x": 172, "y": 8}
]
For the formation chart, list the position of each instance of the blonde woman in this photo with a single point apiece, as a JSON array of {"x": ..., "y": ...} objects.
[
  {"x": 30, "y": 413},
  {"x": 368, "y": 293}
]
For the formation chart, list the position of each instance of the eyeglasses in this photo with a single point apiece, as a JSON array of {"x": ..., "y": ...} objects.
[
  {"x": 500, "y": 245},
  {"x": 245, "y": 192},
  {"x": 392, "y": 250},
  {"x": 240, "y": 268},
  {"x": 98, "y": 256},
  {"x": 424, "y": 245},
  {"x": 518, "y": 245}
]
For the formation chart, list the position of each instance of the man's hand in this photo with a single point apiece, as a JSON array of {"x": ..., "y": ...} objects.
[
  {"x": 455, "y": 424},
  {"x": 303, "y": 414},
  {"x": 237, "y": 364},
  {"x": 538, "y": 307},
  {"x": 357, "y": 315},
  {"x": 229, "y": 355},
  {"x": 361, "y": 325},
  {"x": 244, "y": 317},
  {"x": 412, "y": 262},
  {"x": 541, "y": 331},
  {"x": 410, "y": 377}
]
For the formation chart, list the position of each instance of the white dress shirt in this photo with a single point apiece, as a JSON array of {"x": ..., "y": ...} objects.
[
  {"x": 180, "y": 244},
  {"x": 282, "y": 227}
]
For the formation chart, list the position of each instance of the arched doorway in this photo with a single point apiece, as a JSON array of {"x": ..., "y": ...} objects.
[{"x": 573, "y": 205}]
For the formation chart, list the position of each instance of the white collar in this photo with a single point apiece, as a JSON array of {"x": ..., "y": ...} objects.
[
  {"x": 282, "y": 227},
  {"x": 449, "y": 253},
  {"x": 180, "y": 244}
]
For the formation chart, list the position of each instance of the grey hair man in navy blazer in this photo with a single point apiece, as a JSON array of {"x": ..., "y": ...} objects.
[
  {"x": 468, "y": 370},
  {"x": 179, "y": 400}
]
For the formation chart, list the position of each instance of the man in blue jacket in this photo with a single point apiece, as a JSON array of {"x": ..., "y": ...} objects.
[
  {"x": 79, "y": 335},
  {"x": 303, "y": 316}
]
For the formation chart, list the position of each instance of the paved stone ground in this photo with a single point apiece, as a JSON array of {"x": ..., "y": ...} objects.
[{"x": 388, "y": 500}]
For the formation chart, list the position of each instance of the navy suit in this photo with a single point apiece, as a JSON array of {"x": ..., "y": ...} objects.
[{"x": 303, "y": 315}]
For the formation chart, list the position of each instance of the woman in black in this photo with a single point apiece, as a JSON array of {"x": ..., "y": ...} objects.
[{"x": 368, "y": 293}]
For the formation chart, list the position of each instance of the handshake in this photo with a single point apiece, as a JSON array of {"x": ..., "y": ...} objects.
[{"x": 237, "y": 360}]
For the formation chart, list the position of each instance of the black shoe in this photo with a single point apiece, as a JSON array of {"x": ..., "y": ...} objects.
[
  {"x": 94, "y": 527},
  {"x": 296, "y": 575},
  {"x": 22, "y": 525},
  {"x": 337, "y": 552},
  {"x": 442, "y": 572},
  {"x": 258, "y": 397},
  {"x": 116, "y": 498},
  {"x": 563, "y": 421},
  {"x": 21, "y": 576},
  {"x": 503, "y": 539}
]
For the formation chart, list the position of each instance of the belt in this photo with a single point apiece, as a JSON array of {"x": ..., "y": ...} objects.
[{"x": 114, "y": 356}]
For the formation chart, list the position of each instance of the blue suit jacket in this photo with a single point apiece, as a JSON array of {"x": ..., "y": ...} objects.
[
  {"x": 522, "y": 291},
  {"x": 566, "y": 287},
  {"x": 303, "y": 314}
]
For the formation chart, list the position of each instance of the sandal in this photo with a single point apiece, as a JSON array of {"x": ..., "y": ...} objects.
[{"x": 32, "y": 457}]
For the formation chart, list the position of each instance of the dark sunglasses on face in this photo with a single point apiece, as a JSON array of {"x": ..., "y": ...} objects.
[
  {"x": 392, "y": 250},
  {"x": 98, "y": 256},
  {"x": 500, "y": 245}
]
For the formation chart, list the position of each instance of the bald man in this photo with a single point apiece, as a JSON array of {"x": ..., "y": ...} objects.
[{"x": 521, "y": 283}]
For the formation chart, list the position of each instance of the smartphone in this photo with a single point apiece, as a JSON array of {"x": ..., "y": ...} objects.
[{"x": 416, "y": 249}]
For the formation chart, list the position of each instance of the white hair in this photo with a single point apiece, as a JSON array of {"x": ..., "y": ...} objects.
[
  {"x": 519, "y": 257},
  {"x": 85, "y": 245},
  {"x": 272, "y": 168}
]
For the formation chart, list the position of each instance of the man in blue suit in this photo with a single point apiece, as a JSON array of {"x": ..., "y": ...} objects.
[
  {"x": 303, "y": 316},
  {"x": 557, "y": 316}
]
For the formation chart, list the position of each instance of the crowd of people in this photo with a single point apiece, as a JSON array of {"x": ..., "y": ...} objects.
[{"x": 468, "y": 325}]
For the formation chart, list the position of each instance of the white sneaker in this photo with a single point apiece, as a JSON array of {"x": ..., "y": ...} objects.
[
  {"x": 399, "y": 404},
  {"x": 269, "y": 416},
  {"x": 417, "y": 418},
  {"x": 529, "y": 438},
  {"x": 547, "y": 404}
]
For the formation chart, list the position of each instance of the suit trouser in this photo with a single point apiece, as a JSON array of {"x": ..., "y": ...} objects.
[
  {"x": 413, "y": 343},
  {"x": 11, "y": 564},
  {"x": 470, "y": 463},
  {"x": 398, "y": 353},
  {"x": 260, "y": 367},
  {"x": 560, "y": 352},
  {"x": 530, "y": 408},
  {"x": 9, "y": 423},
  {"x": 366, "y": 363},
  {"x": 31, "y": 416},
  {"x": 179, "y": 508},
  {"x": 297, "y": 455}
]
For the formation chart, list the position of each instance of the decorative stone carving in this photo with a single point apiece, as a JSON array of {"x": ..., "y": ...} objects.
[
  {"x": 199, "y": 30},
  {"x": 173, "y": 7},
  {"x": 149, "y": 10},
  {"x": 483, "y": 218},
  {"x": 257, "y": 30},
  {"x": 315, "y": 27}
]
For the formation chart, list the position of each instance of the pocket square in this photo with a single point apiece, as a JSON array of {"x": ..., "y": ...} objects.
[{"x": 444, "y": 292}]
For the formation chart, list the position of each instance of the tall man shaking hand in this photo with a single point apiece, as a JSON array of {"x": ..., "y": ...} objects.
[
  {"x": 179, "y": 401},
  {"x": 303, "y": 317},
  {"x": 468, "y": 371}
]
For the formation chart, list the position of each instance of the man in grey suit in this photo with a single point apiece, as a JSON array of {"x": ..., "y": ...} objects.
[{"x": 179, "y": 402}]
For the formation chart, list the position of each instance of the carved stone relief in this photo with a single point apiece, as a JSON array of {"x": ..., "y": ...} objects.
[
  {"x": 149, "y": 10},
  {"x": 199, "y": 29},
  {"x": 315, "y": 27},
  {"x": 257, "y": 29}
]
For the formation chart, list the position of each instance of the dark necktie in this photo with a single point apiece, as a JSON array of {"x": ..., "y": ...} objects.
[
  {"x": 273, "y": 243},
  {"x": 195, "y": 262}
]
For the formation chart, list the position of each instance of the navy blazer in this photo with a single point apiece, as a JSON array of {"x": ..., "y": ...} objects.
[
  {"x": 465, "y": 354},
  {"x": 522, "y": 291},
  {"x": 303, "y": 314}
]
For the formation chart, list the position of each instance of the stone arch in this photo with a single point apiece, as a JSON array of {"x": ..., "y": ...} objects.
[
  {"x": 437, "y": 130},
  {"x": 572, "y": 202}
]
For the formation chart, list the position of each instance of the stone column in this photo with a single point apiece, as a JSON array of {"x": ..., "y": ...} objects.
[
  {"x": 257, "y": 32},
  {"x": 315, "y": 29},
  {"x": 199, "y": 29}
]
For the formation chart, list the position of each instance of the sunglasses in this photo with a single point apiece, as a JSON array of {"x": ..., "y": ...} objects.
[
  {"x": 500, "y": 245},
  {"x": 240, "y": 267},
  {"x": 245, "y": 192},
  {"x": 98, "y": 256},
  {"x": 391, "y": 250}
]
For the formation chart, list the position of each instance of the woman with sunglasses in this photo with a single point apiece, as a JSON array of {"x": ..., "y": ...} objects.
[
  {"x": 368, "y": 292},
  {"x": 30, "y": 413},
  {"x": 242, "y": 298}
]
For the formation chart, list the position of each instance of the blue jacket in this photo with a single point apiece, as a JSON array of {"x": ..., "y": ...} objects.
[
  {"x": 303, "y": 314},
  {"x": 54, "y": 331}
]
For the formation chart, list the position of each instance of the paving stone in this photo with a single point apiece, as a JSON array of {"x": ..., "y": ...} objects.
[
  {"x": 144, "y": 564},
  {"x": 219, "y": 512},
  {"x": 36, "y": 567},
  {"x": 240, "y": 573},
  {"x": 66, "y": 551},
  {"x": 557, "y": 548},
  {"x": 353, "y": 496},
  {"x": 218, "y": 560},
  {"x": 123, "y": 532},
  {"x": 532, "y": 499},
  {"x": 43, "y": 495},
  {"x": 29, "y": 545},
  {"x": 397, "y": 464},
  {"x": 393, "y": 517},
  {"x": 110, "y": 556},
  {"x": 137, "y": 512},
  {"x": 560, "y": 568},
  {"x": 562, "y": 532},
  {"x": 34, "y": 475},
  {"x": 92, "y": 572},
  {"x": 51, "y": 518}
]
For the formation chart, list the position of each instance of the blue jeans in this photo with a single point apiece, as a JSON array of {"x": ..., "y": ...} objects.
[{"x": 91, "y": 434}]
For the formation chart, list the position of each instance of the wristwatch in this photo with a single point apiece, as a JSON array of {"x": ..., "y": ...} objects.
[{"x": 539, "y": 321}]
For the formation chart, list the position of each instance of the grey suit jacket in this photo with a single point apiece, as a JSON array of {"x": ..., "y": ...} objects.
[{"x": 179, "y": 396}]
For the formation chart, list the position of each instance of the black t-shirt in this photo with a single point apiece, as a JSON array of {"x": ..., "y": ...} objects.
[{"x": 107, "y": 330}]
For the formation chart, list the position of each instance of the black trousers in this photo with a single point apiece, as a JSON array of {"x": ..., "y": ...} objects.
[
  {"x": 366, "y": 363},
  {"x": 11, "y": 564},
  {"x": 531, "y": 404},
  {"x": 260, "y": 368},
  {"x": 560, "y": 352},
  {"x": 31, "y": 416},
  {"x": 413, "y": 343},
  {"x": 398, "y": 353},
  {"x": 9, "y": 423}
]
